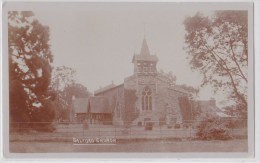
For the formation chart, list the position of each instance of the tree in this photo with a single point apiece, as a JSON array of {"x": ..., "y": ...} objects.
[
  {"x": 189, "y": 89},
  {"x": 64, "y": 88},
  {"x": 73, "y": 90},
  {"x": 77, "y": 90},
  {"x": 186, "y": 109},
  {"x": 171, "y": 79},
  {"x": 129, "y": 113},
  {"x": 62, "y": 77},
  {"x": 30, "y": 61},
  {"x": 217, "y": 47},
  {"x": 63, "y": 100}
]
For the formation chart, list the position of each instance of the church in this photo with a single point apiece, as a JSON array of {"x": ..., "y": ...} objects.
[{"x": 145, "y": 96}]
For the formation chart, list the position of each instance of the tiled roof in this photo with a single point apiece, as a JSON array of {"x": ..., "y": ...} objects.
[{"x": 80, "y": 105}]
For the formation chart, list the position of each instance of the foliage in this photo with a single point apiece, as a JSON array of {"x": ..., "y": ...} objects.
[
  {"x": 129, "y": 112},
  {"x": 65, "y": 88},
  {"x": 18, "y": 109},
  {"x": 77, "y": 90},
  {"x": 64, "y": 99},
  {"x": 213, "y": 128},
  {"x": 217, "y": 47},
  {"x": 171, "y": 79},
  {"x": 62, "y": 77},
  {"x": 189, "y": 89},
  {"x": 186, "y": 108},
  {"x": 30, "y": 61},
  {"x": 196, "y": 110}
]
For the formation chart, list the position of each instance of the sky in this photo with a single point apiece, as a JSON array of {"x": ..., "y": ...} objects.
[{"x": 99, "y": 40}]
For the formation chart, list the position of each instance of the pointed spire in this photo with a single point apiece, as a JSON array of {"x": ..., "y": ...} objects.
[{"x": 145, "y": 49}]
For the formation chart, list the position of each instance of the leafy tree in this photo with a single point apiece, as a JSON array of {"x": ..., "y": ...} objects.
[
  {"x": 217, "y": 47},
  {"x": 189, "y": 89},
  {"x": 64, "y": 88},
  {"x": 129, "y": 113},
  {"x": 18, "y": 108},
  {"x": 63, "y": 100},
  {"x": 186, "y": 109},
  {"x": 171, "y": 79},
  {"x": 77, "y": 90},
  {"x": 62, "y": 77},
  {"x": 29, "y": 66},
  {"x": 73, "y": 90}
]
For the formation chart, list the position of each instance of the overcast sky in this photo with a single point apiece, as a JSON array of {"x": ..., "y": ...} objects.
[{"x": 99, "y": 40}]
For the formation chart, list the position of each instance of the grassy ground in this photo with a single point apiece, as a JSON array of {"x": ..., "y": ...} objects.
[{"x": 239, "y": 145}]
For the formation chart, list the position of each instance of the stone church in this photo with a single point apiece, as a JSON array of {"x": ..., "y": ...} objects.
[{"x": 145, "y": 96}]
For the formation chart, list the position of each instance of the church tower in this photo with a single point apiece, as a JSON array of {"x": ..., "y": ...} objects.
[
  {"x": 145, "y": 73},
  {"x": 145, "y": 63}
]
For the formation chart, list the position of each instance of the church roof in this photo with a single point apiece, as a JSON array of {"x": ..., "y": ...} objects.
[
  {"x": 105, "y": 88},
  {"x": 145, "y": 54},
  {"x": 80, "y": 105}
]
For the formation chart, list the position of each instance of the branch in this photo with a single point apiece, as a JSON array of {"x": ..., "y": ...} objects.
[
  {"x": 230, "y": 76},
  {"x": 235, "y": 60}
]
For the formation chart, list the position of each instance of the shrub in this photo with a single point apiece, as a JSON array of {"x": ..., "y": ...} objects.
[{"x": 213, "y": 128}]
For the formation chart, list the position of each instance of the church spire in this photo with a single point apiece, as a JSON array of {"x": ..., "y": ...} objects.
[{"x": 144, "y": 49}]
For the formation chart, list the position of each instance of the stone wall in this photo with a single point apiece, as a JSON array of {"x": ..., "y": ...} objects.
[{"x": 165, "y": 104}]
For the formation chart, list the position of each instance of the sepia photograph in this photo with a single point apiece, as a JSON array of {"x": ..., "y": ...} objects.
[{"x": 129, "y": 78}]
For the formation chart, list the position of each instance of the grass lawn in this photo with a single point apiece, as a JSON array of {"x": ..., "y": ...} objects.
[{"x": 237, "y": 145}]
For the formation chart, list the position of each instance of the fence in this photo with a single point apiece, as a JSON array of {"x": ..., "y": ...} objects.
[{"x": 44, "y": 131}]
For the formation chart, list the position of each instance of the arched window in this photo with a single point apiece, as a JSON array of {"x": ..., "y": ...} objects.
[{"x": 147, "y": 99}]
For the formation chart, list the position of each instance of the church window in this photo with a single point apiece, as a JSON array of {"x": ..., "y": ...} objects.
[{"x": 147, "y": 99}]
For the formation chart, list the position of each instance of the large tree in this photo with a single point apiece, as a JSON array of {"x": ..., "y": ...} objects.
[
  {"x": 62, "y": 77},
  {"x": 64, "y": 87},
  {"x": 217, "y": 47},
  {"x": 75, "y": 90},
  {"x": 30, "y": 61}
]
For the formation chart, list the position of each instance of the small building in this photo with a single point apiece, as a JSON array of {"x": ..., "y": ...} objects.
[
  {"x": 94, "y": 110},
  {"x": 79, "y": 109},
  {"x": 99, "y": 111}
]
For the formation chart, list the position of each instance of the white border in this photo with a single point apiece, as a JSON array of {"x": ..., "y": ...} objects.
[{"x": 146, "y": 155}]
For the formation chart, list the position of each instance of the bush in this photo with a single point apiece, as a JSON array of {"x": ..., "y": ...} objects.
[{"x": 213, "y": 129}]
